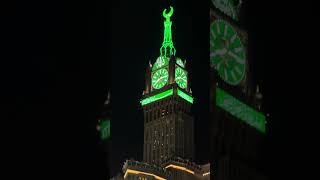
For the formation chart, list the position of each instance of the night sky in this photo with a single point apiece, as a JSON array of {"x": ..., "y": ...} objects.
[{"x": 60, "y": 59}]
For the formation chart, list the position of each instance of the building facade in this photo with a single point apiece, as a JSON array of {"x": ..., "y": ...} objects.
[
  {"x": 172, "y": 169},
  {"x": 237, "y": 119}
]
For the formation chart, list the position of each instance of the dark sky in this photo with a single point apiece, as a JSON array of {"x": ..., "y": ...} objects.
[{"x": 60, "y": 58}]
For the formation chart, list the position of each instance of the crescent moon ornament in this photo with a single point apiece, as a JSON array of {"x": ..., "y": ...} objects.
[
  {"x": 167, "y": 16},
  {"x": 167, "y": 49}
]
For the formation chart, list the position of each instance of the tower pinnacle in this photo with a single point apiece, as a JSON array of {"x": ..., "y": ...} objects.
[{"x": 167, "y": 48}]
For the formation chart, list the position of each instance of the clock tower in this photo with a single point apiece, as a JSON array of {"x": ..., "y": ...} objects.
[
  {"x": 166, "y": 103},
  {"x": 237, "y": 122},
  {"x": 168, "y": 148}
]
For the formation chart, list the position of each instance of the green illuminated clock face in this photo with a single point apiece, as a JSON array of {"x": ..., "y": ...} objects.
[
  {"x": 181, "y": 77},
  {"x": 160, "y": 62},
  {"x": 227, "y": 7},
  {"x": 105, "y": 129},
  {"x": 227, "y": 54},
  {"x": 160, "y": 78}
]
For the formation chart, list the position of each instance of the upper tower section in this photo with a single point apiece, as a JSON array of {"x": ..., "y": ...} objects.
[
  {"x": 168, "y": 71},
  {"x": 167, "y": 49}
]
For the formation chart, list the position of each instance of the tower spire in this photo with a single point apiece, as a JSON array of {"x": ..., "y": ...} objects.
[{"x": 167, "y": 48}]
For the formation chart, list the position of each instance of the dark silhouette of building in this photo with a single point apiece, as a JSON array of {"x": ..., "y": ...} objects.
[{"x": 168, "y": 125}]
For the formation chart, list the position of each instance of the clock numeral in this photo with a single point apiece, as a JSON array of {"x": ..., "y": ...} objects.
[
  {"x": 212, "y": 33},
  {"x": 218, "y": 28},
  {"x": 218, "y": 65},
  {"x": 233, "y": 76},
  {"x": 233, "y": 38},
  {"x": 225, "y": 74},
  {"x": 239, "y": 60},
  {"x": 225, "y": 30},
  {"x": 237, "y": 70},
  {"x": 238, "y": 49}
]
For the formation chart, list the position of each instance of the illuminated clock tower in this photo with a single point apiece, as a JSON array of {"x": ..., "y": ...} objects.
[
  {"x": 166, "y": 103},
  {"x": 237, "y": 121},
  {"x": 168, "y": 147}
]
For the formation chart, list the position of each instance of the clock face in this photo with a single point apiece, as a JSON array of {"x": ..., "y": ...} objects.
[
  {"x": 227, "y": 54},
  {"x": 160, "y": 78},
  {"x": 104, "y": 129},
  {"x": 226, "y": 6},
  {"x": 160, "y": 62},
  {"x": 181, "y": 77}
]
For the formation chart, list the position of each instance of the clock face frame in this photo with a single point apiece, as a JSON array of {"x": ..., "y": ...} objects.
[
  {"x": 227, "y": 54},
  {"x": 181, "y": 77},
  {"x": 227, "y": 7},
  {"x": 160, "y": 78}
]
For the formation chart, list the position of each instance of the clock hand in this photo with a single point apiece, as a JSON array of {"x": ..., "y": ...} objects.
[{"x": 161, "y": 78}]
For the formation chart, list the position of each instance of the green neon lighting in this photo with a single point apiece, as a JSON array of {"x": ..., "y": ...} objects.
[
  {"x": 185, "y": 96},
  {"x": 162, "y": 61},
  {"x": 157, "y": 97},
  {"x": 180, "y": 63},
  {"x": 160, "y": 78},
  {"x": 240, "y": 110},
  {"x": 167, "y": 48},
  {"x": 104, "y": 129}
]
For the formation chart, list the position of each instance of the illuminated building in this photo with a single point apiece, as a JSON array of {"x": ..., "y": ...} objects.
[
  {"x": 179, "y": 168},
  {"x": 238, "y": 124},
  {"x": 168, "y": 149}
]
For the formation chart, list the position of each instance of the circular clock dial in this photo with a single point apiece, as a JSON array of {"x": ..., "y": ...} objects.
[
  {"x": 226, "y": 6},
  {"x": 181, "y": 77},
  {"x": 227, "y": 54},
  {"x": 160, "y": 78}
]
